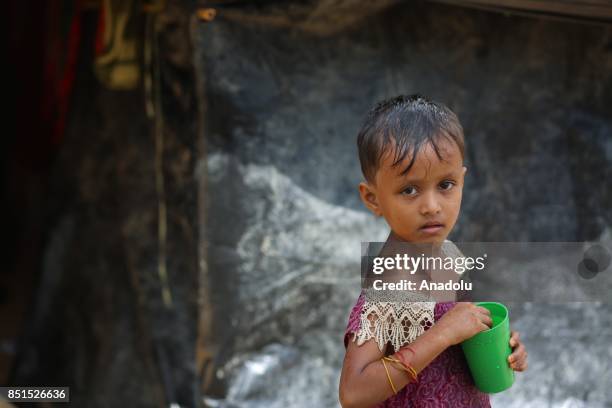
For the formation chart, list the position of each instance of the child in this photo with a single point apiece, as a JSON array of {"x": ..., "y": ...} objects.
[{"x": 411, "y": 152}]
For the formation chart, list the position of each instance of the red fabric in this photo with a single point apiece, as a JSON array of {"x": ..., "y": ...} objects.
[
  {"x": 445, "y": 382},
  {"x": 64, "y": 34},
  {"x": 99, "y": 44}
]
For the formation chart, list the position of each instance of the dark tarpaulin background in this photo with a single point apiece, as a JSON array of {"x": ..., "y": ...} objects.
[{"x": 97, "y": 322}]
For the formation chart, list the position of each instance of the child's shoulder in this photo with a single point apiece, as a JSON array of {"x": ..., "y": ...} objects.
[{"x": 449, "y": 248}]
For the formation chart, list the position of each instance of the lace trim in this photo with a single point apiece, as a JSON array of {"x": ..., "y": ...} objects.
[{"x": 399, "y": 323}]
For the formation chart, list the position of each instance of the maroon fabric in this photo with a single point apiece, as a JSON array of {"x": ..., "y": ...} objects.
[{"x": 445, "y": 382}]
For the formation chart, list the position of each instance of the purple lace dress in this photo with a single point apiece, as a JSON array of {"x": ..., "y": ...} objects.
[{"x": 445, "y": 382}]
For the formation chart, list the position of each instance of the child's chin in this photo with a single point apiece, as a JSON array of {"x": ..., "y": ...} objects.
[
  {"x": 436, "y": 240},
  {"x": 423, "y": 239}
]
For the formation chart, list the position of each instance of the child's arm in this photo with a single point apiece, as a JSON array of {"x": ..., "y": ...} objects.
[{"x": 364, "y": 382}]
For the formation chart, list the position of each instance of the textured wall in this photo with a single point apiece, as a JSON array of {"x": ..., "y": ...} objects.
[{"x": 284, "y": 107}]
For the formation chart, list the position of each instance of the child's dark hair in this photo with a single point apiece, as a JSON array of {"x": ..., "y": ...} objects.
[{"x": 408, "y": 122}]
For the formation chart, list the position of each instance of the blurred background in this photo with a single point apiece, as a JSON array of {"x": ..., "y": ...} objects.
[{"x": 179, "y": 184}]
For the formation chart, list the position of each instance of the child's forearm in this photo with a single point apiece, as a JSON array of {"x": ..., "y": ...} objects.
[{"x": 372, "y": 385}]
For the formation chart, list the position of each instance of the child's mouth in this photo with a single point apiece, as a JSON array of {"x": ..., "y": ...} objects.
[{"x": 432, "y": 229}]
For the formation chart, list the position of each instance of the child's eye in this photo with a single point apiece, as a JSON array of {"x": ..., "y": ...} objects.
[
  {"x": 447, "y": 185},
  {"x": 408, "y": 191}
]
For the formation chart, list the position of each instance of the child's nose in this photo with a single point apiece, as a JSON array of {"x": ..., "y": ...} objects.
[{"x": 430, "y": 204}]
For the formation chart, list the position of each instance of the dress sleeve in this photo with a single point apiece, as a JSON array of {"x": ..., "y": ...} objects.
[
  {"x": 387, "y": 320},
  {"x": 354, "y": 321}
]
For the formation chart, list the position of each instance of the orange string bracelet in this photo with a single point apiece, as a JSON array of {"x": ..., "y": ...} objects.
[
  {"x": 403, "y": 367},
  {"x": 409, "y": 367},
  {"x": 405, "y": 363},
  {"x": 400, "y": 366},
  {"x": 409, "y": 349},
  {"x": 397, "y": 362},
  {"x": 388, "y": 376}
]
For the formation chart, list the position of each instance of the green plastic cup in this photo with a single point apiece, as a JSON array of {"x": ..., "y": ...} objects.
[{"x": 487, "y": 352}]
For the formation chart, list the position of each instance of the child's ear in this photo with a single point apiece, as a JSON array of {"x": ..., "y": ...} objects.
[
  {"x": 367, "y": 192},
  {"x": 462, "y": 177}
]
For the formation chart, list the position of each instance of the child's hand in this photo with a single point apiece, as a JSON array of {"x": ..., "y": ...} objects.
[
  {"x": 463, "y": 321},
  {"x": 518, "y": 358}
]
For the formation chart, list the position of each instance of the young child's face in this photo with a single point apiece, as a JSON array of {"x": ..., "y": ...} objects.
[{"x": 430, "y": 192}]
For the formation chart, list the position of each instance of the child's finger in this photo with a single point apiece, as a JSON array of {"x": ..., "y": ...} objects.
[
  {"x": 514, "y": 338},
  {"x": 518, "y": 361},
  {"x": 517, "y": 357},
  {"x": 518, "y": 354},
  {"x": 520, "y": 365}
]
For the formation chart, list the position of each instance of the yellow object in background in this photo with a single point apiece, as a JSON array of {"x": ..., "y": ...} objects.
[{"x": 116, "y": 63}]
